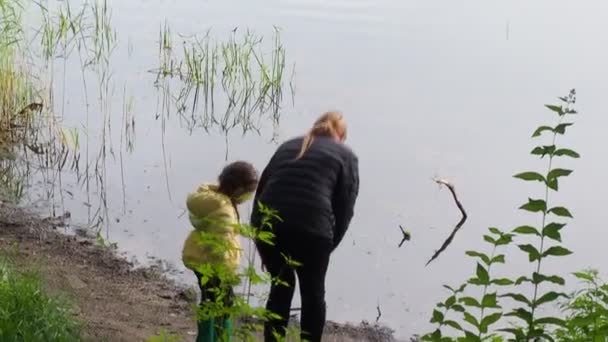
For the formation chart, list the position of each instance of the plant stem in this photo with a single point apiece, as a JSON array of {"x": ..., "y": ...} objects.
[
  {"x": 542, "y": 238},
  {"x": 485, "y": 290}
]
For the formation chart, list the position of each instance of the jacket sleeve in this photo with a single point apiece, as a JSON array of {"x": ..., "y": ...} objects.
[{"x": 344, "y": 198}]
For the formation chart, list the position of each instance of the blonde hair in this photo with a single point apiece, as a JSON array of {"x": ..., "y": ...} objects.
[{"x": 330, "y": 124}]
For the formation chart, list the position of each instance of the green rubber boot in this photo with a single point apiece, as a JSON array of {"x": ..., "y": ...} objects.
[
  {"x": 206, "y": 331},
  {"x": 224, "y": 330}
]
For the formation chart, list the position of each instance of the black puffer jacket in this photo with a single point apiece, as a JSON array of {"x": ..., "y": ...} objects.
[{"x": 315, "y": 194}]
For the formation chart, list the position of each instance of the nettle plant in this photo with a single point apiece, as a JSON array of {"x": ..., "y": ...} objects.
[
  {"x": 587, "y": 311},
  {"x": 249, "y": 318},
  {"x": 467, "y": 318},
  {"x": 459, "y": 311}
]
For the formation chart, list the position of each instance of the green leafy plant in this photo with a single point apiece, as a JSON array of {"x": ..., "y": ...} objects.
[
  {"x": 103, "y": 243},
  {"x": 476, "y": 317},
  {"x": 249, "y": 318},
  {"x": 546, "y": 240},
  {"x": 587, "y": 311},
  {"x": 440, "y": 314}
]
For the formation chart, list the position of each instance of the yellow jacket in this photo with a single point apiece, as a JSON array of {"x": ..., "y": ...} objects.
[{"x": 214, "y": 240}]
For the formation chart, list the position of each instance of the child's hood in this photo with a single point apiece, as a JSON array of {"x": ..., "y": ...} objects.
[{"x": 206, "y": 201}]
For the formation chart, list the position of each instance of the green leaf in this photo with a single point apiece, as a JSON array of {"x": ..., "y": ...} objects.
[
  {"x": 534, "y": 335},
  {"x": 471, "y": 320},
  {"x": 522, "y": 279},
  {"x": 495, "y": 230},
  {"x": 526, "y": 230},
  {"x": 489, "y": 301},
  {"x": 487, "y": 321},
  {"x": 584, "y": 276},
  {"x": 489, "y": 239},
  {"x": 470, "y": 336},
  {"x": 449, "y": 288},
  {"x": 561, "y": 128},
  {"x": 502, "y": 282},
  {"x": 458, "y": 308},
  {"x": 482, "y": 274},
  {"x": 535, "y": 205},
  {"x": 521, "y": 313},
  {"x": 553, "y": 184},
  {"x": 557, "y": 251},
  {"x": 505, "y": 239},
  {"x": 583, "y": 321},
  {"x": 543, "y": 150},
  {"x": 564, "y": 152},
  {"x": 450, "y": 301},
  {"x": 499, "y": 259},
  {"x": 550, "y": 320},
  {"x": 437, "y": 317},
  {"x": 518, "y": 297},
  {"x": 556, "y": 173},
  {"x": 453, "y": 324},
  {"x": 557, "y": 109},
  {"x": 433, "y": 337},
  {"x": 475, "y": 281},
  {"x": 540, "y": 130},
  {"x": 470, "y": 301},
  {"x": 548, "y": 297},
  {"x": 533, "y": 253},
  {"x": 530, "y": 176},
  {"x": 552, "y": 231},
  {"x": 560, "y": 211},
  {"x": 483, "y": 257},
  {"x": 517, "y": 332},
  {"x": 538, "y": 278}
]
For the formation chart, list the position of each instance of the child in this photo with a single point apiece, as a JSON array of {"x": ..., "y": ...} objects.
[{"x": 212, "y": 250}]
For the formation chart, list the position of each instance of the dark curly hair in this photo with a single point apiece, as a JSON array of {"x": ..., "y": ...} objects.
[{"x": 238, "y": 175}]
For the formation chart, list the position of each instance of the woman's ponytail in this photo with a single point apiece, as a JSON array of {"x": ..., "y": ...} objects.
[
  {"x": 306, "y": 143},
  {"x": 330, "y": 124}
]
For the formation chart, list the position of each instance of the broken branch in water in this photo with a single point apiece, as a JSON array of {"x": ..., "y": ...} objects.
[
  {"x": 406, "y": 236},
  {"x": 447, "y": 242}
]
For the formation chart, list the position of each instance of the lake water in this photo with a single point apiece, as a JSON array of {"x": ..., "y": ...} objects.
[{"x": 451, "y": 89}]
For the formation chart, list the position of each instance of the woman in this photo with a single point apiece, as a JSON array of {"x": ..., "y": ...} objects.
[
  {"x": 212, "y": 250},
  {"x": 312, "y": 182}
]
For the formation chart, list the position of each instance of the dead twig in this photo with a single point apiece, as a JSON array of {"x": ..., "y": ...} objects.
[
  {"x": 447, "y": 242},
  {"x": 379, "y": 313},
  {"x": 406, "y": 236}
]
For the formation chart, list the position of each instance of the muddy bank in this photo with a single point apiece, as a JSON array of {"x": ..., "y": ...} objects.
[{"x": 116, "y": 301}]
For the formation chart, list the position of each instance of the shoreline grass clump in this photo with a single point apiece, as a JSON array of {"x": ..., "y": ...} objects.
[
  {"x": 27, "y": 313},
  {"x": 20, "y": 107},
  {"x": 224, "y": 84}
]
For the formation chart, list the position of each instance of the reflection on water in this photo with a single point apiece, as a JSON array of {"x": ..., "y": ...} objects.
[{"x": 429, "y": 89}]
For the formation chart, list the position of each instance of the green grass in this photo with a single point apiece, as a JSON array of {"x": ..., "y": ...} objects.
[
  {"x": 28, "y": 313},
  {"x": 18, "y": 104},
  {"x": 241, "y": 73}
]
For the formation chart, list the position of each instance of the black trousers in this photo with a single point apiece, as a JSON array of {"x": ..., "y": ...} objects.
[{"x": 308, "y": 258}]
